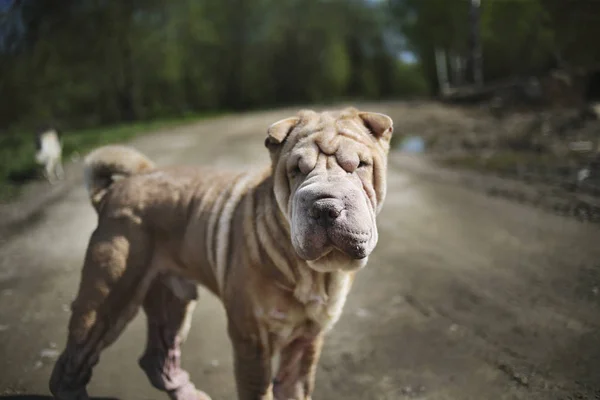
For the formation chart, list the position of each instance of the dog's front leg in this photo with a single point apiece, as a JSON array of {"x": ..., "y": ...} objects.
[
  {"x": 252, "y": 363},
  {"x": 295, "y": 379}
]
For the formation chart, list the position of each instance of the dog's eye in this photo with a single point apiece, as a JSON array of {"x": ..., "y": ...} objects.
[
  {"x": 296, "y": 171},
  {"x": 364, "y": 164}
]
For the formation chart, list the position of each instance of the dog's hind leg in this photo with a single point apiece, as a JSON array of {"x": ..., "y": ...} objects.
[
  {"x": 59, "y": 172},
  {"x": 169, "y": 305},
  {"x": 48, "y": 172},
  {"x": 115, "y": 278}
]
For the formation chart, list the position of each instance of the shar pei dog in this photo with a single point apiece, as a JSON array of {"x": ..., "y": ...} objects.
[{"x": 280, "y": 247}]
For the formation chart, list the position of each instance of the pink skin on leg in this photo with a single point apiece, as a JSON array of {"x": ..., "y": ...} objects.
[
  {"x": 167, "y": 316},
  {"x": 295, "y": 378}
]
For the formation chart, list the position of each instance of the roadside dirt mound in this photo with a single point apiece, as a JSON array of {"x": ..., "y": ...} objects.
[{"x": 555, "y": 152}]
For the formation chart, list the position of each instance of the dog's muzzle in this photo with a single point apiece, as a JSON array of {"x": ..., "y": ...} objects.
[
  {"x": 326, "y": 211},
  {"x": 330, "y": 217}
]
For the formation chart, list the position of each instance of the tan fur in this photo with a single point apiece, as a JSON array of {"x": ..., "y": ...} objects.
[
  {"x": 163, "y": 230},
  {"x": 106, "y": 164}
]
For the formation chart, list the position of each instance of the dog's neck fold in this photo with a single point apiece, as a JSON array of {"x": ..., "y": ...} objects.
[{"x": 275, "y": 257}]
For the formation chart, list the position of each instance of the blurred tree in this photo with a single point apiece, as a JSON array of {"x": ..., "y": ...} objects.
[
  {"x": 576, "y": 24},
  {"x": 517, "y": 36},
  {"x": 432, "y": 24},
  {"x": 90, "y": 62}
]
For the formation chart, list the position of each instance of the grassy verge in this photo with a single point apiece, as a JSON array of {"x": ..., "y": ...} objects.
[{"x": 17, "y": 150}]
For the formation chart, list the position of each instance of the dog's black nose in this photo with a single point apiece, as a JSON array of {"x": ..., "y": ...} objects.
[{"x": 326, "y": 210}]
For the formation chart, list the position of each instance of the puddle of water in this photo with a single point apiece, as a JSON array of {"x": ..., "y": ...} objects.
[{"x": 413, "y": 144}]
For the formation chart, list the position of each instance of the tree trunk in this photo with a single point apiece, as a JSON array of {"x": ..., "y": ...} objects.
[
  {"x": 475, "y": 43},
  {"x": 442, "y": 70}
]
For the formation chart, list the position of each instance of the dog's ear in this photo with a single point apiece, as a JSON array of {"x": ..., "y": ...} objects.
[
  {"x": 278, "y": 131},
  {"x": 380, "y": 125}
]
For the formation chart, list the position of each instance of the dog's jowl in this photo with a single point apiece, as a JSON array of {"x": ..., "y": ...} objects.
[{"x": 279, "y": 247}]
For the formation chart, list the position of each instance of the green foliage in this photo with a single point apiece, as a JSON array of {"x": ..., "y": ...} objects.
[
  {"x": 409, "y": 80},
  {"x": 516, "y": 37},
  {"x": 519, "y": 37},
  {"x": 334, "y": 72},
  {"x": 91, "y": 62},
  {"x": 576, "y": 26},
  {"x": 17, "y": 149},
  {"x": 86, "y": 63},
  {"x": 428, "y": 24}
]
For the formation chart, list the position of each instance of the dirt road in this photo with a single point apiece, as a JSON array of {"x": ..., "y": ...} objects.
[{"x": 466, "y": 296}]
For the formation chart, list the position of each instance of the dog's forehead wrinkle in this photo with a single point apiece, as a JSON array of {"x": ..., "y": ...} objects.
[
  {"x": 327, "y": 140},
  {"x": 311, "y": 121},
  {"x": 331, "y": 162},
  {"x": 354, "y": 129},
  {"x": 327, "y": 148}
]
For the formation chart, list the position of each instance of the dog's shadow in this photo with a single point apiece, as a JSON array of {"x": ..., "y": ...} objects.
[{"x": 42, "y": 397}]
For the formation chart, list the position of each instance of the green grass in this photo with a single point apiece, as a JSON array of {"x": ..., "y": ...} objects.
[{"x": 17, "y": 150}]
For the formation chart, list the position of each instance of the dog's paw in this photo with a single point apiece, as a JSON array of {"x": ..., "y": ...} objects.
[
  {"x": 203, "y": 396},
  {"x": 189, "y": 392}
]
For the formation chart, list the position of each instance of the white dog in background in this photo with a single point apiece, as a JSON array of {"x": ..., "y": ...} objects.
[{"x": 49, "y": 153}]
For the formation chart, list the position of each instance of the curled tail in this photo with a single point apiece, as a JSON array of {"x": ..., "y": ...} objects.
[{"x": 106, "y": 164}]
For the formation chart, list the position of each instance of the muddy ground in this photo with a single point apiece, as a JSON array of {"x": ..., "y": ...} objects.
[
  {"x": 468, "y": 296},
  {"x": 545, "y": 157}
]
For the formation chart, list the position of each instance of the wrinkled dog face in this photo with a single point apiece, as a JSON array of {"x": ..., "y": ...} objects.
[{"x": 329, "y": 172}]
